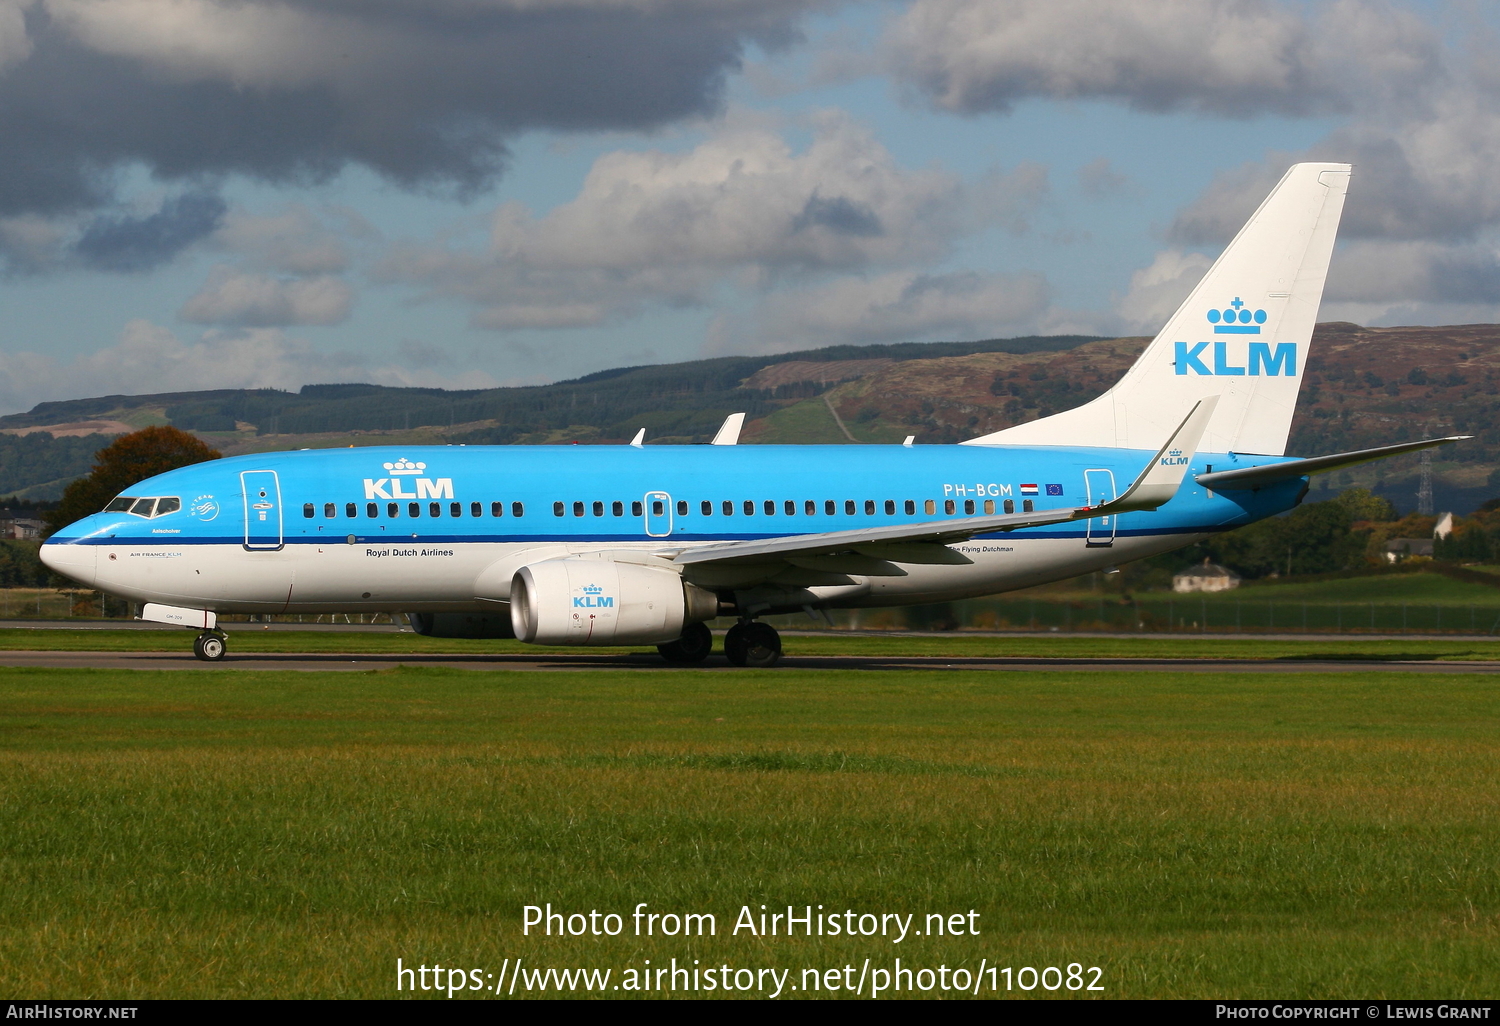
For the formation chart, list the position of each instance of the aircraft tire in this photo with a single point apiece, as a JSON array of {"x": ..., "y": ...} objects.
[
  {"x": 753, "y": 644},
  {"x": 693, "y": 647},
  {"x": 209, "y": 647}
]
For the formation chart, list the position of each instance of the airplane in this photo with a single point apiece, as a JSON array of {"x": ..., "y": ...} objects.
[{"x": 644, "y": 545}]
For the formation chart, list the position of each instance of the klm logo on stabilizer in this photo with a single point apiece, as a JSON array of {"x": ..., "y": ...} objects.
[
  {"x": 1257, "y": 359},
  {"x": 1175, "y": 458},
  {"x": 593, "y": 597}
]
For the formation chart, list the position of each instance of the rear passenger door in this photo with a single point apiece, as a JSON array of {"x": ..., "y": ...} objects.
[{"x": 658, "y": 514}]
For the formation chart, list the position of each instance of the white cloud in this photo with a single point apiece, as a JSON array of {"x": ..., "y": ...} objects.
[
  {"x": 257, "y": 300},
  {"x": 291, "y": 241},
  {"x": 15, "y": 44},
  {"x": 741, "y": 210},
  {"x": 903, "y": 305},
  {"x": 1158, "y": 290}
]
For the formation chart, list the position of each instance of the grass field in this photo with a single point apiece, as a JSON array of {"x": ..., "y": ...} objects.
[
  {"x": 293, "y": 834},
  {"x": 831, "y": 643}
]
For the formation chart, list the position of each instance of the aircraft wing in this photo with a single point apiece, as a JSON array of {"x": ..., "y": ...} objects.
[
  {"x": 1256, "y": 477},
  {"x": 924, "y": 542}
]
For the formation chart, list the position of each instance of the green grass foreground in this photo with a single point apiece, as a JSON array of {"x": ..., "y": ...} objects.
[
  {"x": 831, "y": 643},
  {"x": 206, "y": 834}
]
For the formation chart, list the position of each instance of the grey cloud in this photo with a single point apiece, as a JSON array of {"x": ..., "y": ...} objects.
[
  {"x": 839, "y": 214},
  {"x": 1415, "y": 272},
  {"x": 425, "y": 95},
  {"x": 1099, "y": 179},
  {"x": 130, "y": 243}
]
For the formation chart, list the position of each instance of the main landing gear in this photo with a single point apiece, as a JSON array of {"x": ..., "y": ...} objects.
[
  {"x": 209, "y": 646},
  {"x": 748, "y": 643},
  {"x": 696, "y": 643},
  {"x": 752, "y": 643}
]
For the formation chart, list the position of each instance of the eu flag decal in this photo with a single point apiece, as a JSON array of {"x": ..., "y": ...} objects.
[{"x": 1054, "y": 489}]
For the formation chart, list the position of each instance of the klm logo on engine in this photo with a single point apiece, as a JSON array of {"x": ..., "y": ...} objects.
[
  {"x": 1175, "y": 458},
  {"x": 1257, "y": 359},
  {"x": 390, "y": 487},
  {"x": 593, "y": 597}
]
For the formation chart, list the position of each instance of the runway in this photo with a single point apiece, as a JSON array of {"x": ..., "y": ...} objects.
[{"x": 587, "y": 661}]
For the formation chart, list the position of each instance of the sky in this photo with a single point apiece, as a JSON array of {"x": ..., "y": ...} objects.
[{"x": 468, "y": 193}]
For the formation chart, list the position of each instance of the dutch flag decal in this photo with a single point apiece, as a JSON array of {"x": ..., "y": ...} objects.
[{"x": 1028, "y": 489}]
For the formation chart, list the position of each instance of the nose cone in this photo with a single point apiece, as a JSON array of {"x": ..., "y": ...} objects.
[{"x": 69, "y": 553}]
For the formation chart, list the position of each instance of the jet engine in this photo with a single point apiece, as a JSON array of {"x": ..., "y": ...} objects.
[{"x": 581, "y": 601}]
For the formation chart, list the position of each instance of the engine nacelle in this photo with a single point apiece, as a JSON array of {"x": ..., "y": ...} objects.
[
  {"x": 602, "y": 602},
  {"x": 494, "y": 625}
]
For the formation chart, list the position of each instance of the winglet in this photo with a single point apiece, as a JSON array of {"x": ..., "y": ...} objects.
[
  {"x": 639, "y": 439},
  {"x": 729, "y": 433},
  {"x": 1160, "y": 479}
]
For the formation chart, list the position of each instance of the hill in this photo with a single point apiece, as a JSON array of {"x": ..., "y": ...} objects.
[{"x": 1364, "y": 387}]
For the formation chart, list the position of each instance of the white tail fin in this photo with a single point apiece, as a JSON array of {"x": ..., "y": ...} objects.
[{"x": 1243, "y": 334}]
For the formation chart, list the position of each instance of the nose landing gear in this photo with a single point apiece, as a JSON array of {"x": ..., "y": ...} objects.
[
  {"x": 209, "y": 646},
  {"x": 752, "y": 643}
]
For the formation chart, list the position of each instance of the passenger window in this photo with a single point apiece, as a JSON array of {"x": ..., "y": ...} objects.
[
  {"x": 657, "y": 509},
  {"x": 770, "y": 506},
  {"x": 557, "y": 509},
  {"x": 890, "y": 507},
  {"x": 330, "y": 510},
  {"x": 577, "y": 509},
  {"x": 789, "y": 507},
  {"x": 497, "y": 509},
  {"x": 869, "y": 507},
  {"x": 636, "y": 509},
  {"x": 707, "y": 508},
  {"x": 455, "y": 509},
  {"x": 121, "y": 504},
  {"x": 828, "y": 507},
  {"x": 968, "y": 507},
  {"x": 728, "y": 508},
  {"x": 989, "y": 507},
  {"x": 171, "y": 504},
  {"x": 848, "y": 507},
  {"x": 393, "y": 509},
  {"x": 749, "y": 507},
  {"x": 477, "y": 509},
  {"x": 351, "y": 510},
  {"x": 372, "y": 510},
  {"x": 307, "y": 510},
  {"x": 1010, "y": 505},
  {"x": 617, "y": 508},
  {"x": 598, "y": 508},
  {"x": 682, "y": 507},
  {"x": 414, "y": 510},
  {"x": 911, "y": 508},
  {"x": 949, "y": 507},
  {"x": 518, "y": 509},
  {"x": 1027, "y": 506},
  {"x": 810, "y": 508},
  {"x": 143, "y": 507},
  {"x": 929, "y": 507}
]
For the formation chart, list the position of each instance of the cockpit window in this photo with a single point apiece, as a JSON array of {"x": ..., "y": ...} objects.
[{"x": 151, "y": 507}]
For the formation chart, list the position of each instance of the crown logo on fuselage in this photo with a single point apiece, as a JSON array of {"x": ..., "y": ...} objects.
[
  {"x": 404, "y": 467},
  {"x": 1236, "y": 319}
]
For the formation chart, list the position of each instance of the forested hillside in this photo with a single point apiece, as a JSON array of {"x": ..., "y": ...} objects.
[{"x": 1364, "y": 387}]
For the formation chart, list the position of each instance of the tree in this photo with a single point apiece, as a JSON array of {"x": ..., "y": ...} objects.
[{"x": 128, "y": 459}]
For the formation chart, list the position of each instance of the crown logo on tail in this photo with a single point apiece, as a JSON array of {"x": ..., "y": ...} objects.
[{"x": 1236, "y": 319}]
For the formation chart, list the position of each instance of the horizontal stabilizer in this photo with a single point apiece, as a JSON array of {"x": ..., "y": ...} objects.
[{"x": 1257, "y": 477}]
